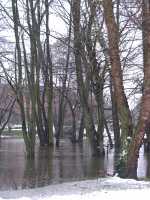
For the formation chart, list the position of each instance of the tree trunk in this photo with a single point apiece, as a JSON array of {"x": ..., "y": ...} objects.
[
  {"x": 115, "y": 119},
  {"x": 89, "y": 123},
  {"x": 144, "y": 119},
  {"x": 29, "y": 138},
  {"x": 147, "y": 139},
  {"x": 81, "y": 128},
  {"x": 117, "y": 77},
  {"x": 49, "y": 87},
  {"x": 108, "y": 134}
]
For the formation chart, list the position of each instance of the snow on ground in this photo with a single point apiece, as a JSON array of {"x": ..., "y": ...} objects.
[{"x": 100, "y": 189}]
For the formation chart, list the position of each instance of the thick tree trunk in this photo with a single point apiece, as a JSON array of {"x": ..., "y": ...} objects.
[
  {"x": 115, "y": 119},
  {"x": 117, "y": 77},
  {"x": 49, "y": 87},
  {"x": 144, "y": 119},
  {"x": 147, "y": 139}
]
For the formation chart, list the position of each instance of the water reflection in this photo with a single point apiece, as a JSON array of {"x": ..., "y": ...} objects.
[
  {"x": 37, "y": 172},
  {"x": 68, "y": 163},
  {"x": 29, "y": 177}
]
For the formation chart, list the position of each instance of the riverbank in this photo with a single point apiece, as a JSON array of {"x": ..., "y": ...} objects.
[{"x": 102, "y": 188}]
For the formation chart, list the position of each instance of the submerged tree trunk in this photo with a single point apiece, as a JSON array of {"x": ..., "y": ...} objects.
[{"x": 60, "y": 124}]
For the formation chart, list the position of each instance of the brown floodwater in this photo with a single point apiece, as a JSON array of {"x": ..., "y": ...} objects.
[{"x": 50, "y": 166}]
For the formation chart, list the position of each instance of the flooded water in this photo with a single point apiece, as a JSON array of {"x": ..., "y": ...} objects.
[{"x": 50, "y": 166}]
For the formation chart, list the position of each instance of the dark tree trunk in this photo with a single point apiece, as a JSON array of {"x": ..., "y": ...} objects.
[
  {"x": 147, "y": 139},
  {"x": 108, "y": 134},
  {"x": 81, "y": 129}
]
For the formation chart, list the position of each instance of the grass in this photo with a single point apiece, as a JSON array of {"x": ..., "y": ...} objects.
[{"x": 16, "y": 133}]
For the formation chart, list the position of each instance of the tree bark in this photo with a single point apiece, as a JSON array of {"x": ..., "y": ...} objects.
[
  {"x": 115, "y": 119},
  {"x": 124, "y": 113},
  {"x": 144, "y": 119}
]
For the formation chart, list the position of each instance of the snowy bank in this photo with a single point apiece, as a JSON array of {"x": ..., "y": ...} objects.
[{"x": 103, "y": 188}]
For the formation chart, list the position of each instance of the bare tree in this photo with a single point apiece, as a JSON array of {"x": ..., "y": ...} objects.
[
  {"x": 89, "y": 123},
  {"x": 117, "y": 77},
  {"x": 137, "y": 140},
  {"x": 6, "y": 107}
]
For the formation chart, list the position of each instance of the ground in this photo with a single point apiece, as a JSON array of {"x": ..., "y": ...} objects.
[{"x": 112, "y": 188}]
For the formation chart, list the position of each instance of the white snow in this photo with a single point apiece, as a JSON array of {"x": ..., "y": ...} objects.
[{"x": 112, "y": 188}]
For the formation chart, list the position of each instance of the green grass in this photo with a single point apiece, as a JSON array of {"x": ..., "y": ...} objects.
[{"x": 12, "y": 132}]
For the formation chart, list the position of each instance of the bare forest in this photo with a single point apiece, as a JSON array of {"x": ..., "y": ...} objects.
[{"x": 77, "y": 70}]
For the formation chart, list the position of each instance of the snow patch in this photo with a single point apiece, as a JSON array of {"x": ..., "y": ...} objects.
[{"x": 112, "y": 188}]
